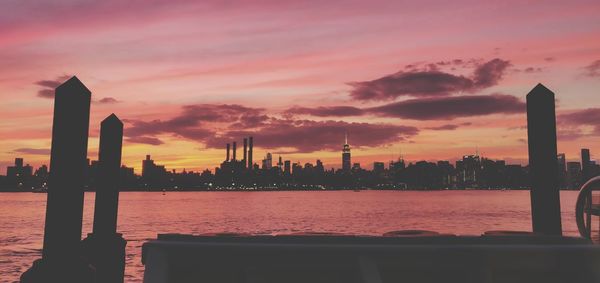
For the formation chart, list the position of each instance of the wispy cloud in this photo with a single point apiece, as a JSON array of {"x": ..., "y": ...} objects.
[
  {"x": 593, "y": 69},
  {"x": 48, "y": 86},
  {"x": 34, "y": 151},
  {"x": 448, "y": 127},
  {"x": 108, "y": 100}
]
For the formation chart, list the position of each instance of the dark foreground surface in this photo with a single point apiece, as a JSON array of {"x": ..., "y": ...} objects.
[{"x": 395, "y": 257}]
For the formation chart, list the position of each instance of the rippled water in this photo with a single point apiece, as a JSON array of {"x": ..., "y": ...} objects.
[{"x": 143, "y": 215}]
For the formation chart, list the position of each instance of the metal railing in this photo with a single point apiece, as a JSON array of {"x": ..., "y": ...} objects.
[{"x": 585, "y": 207}]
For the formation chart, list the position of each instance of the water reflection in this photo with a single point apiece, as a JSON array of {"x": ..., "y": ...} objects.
[{"x": 143, "y": 215}]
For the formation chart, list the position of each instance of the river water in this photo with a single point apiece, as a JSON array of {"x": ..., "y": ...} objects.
[{"x": 142, "y": 215}]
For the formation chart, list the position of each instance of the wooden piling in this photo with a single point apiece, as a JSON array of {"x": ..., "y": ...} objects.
[
  {"x": 104, "y": 247},
  {"x": 61, "y": 255},
  {"x": 107, "y": 192},
  {"x": 543, "y": 165}
]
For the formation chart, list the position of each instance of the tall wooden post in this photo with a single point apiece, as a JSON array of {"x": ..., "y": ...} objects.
[
  {"x": 61, "y": 260},
  {"x": 107, "y": 193},
  {"x": 543, "y": 165},
  {"x": 104, "y": 246}
]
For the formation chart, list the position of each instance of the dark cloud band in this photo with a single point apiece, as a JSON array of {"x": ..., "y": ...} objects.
[
  {"x": 427, "y": 83},
  {"x": 200, "y": 123}
]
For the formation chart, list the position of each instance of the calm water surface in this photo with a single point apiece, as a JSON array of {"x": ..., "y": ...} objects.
[{"x": 142, "y": 215}]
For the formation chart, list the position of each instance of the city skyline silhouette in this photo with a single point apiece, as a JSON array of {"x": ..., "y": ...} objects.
[{"x": 242, "y": 172}]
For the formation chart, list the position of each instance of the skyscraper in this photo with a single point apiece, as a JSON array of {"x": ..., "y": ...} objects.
[
  {"x": 268, "y": 161},
  {"x": 378, "y": 167},
  {"x": 287, "y": 169},
  {"x": 151, "y": 172},
  {"x": 319, "y": 167},
  {"x": 250, "y": 146},
  {"x": 574, "y": 174},
  {"x": 19, "y": 174},
  {"x": 585, "y": 165},
  {"x": 148, "y": 164},
  {"x": 346, "y": 159},
  {"x": 469, "y": 168}
]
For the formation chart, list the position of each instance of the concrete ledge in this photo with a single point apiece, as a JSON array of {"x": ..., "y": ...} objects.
[{"x": 185, "y": 258}]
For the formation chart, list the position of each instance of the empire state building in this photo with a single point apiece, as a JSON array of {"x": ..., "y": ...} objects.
[{"x": 346, "y": 162}]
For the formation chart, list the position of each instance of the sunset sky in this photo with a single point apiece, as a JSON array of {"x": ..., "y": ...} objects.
[{"x": 431, "y": 79}]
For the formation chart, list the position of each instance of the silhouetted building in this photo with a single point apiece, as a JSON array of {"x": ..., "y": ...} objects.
[
  {"x": 127, "y": 177},
  {"x": 42, "y": 172},
  {"x": 234, "y": 172},
  {"x": 586, "y": 172},
  {"x": 280, "y": 164},
  {"x": 346, "y": 158},
  {"x": 594, "y": 169},
  {"x": 287, "y": 168},
  {"x": 468, "y": 169},
  {"x": 398, "y": 165},
  {"x": 447, "y": 173},
  {"x": 147, "y": 165},
  {"x": 378, "y": 167},
  {"x": 491, "y": 173},
  {"x": 296, "y": 169},
  {"x": 268, "y": 162},
  {"x": 3, "y": 184},
  {"x": 574, "y": 175},
  {"x": 19, "y": 176},
  {"x": 516, "y": 177},
  {"x": 319, "y": 168},
  {"x": 250, "y": 149},
  {"x": 154, "y": 175}
]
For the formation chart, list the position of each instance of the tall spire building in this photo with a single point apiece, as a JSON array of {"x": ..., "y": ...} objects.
[
  {"x": 250, "y": 146},
  {"x": 346, "y": 159}
]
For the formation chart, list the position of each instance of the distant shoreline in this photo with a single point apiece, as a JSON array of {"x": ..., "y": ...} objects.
[{"x": 302, "y": 190}]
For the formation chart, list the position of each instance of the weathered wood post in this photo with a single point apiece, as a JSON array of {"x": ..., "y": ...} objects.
[
  {"x": 61, "y": 254},
  {"x": 104, "y": 247},
  {"x": 543, "y": 165}
]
